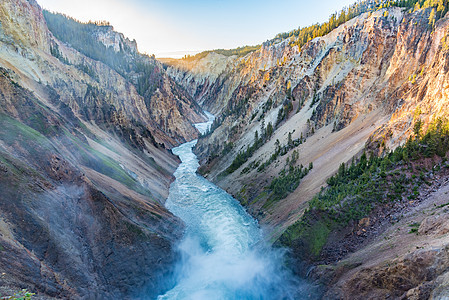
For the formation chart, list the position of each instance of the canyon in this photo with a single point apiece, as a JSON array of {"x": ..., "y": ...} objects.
[
  {"x": 87, "y": 125},
  {"x": 360, "y": 88},
  {"x": 85, "y": 165}
]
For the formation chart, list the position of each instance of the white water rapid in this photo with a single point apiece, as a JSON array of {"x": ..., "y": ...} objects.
[{"x": 224, "y": 255}]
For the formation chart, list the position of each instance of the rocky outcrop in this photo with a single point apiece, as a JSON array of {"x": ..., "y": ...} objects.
[
  {"x": 117, "y": 86},
  {"x": 23, "y": 26},
  {"x": 115, "y": 40},
  {"x": 84, "y": 168},
  {"x": 369, "y": 80},
  {"x": 400, "y": 262},
  {"x": 420, "y": 275},
  {"x": 205, "y": 78},
  {"x": 74, "y": 224},
  {"x": 363, "y": 86}
]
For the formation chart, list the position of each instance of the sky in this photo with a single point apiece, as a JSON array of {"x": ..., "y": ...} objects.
[{"x": 172, "y": 28}]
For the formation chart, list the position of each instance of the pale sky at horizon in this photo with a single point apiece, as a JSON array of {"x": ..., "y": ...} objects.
[{"x": 174, "y": 27}]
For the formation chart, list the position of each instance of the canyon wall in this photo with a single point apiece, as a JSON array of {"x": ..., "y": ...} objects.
[
  {"x": 289, "y": 115},
  {"x": 85, "y": 165},
  {"x": 363, "y": 85}
]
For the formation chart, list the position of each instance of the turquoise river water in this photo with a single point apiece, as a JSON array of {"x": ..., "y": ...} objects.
[{"x": 224, "y": 255}]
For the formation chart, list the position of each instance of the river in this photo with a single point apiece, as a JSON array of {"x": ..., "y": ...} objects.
[{"x": 224, "y": 254}]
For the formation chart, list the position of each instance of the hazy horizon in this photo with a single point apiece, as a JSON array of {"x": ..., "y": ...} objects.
[
  {"x": 173, "y": 28},
  {"x": 178, "y": 54}
]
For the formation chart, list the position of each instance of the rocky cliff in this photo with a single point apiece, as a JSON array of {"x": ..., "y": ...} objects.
[
  {"x": 113, "y": 39},
  {"x": 203, "y": 78},
  {"x": 363, "y": 81},
  {"x": 288, "y": 117},
  {"x": 158, "y": 103},
  {"x": 84, "y": 166}
]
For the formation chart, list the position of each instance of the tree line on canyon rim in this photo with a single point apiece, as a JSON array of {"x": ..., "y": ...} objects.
[
  {"x": 299, "y": 37},
  {"x": 80, "y": 36}
]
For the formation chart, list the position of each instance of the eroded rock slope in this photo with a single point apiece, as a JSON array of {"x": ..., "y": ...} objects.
[
  {"x": 363, "y": 85},
  {"x": 85, "y": 165},
  {"x": 289, "y": 117}
]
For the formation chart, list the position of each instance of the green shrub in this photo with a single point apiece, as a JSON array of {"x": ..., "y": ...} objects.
[
  {"x": 355, "y": 190},
  {"x": 22, "y": 295}
]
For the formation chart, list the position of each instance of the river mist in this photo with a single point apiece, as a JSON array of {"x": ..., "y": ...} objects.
[{"x": 223, "y": 253}]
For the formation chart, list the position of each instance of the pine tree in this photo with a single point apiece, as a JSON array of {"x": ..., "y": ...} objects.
[
  {"x": 311, "y": 166},
  {"x": 441, "y": 8},
  {"x": 432, "y": 18},
  {"x": 417, "y": 128},
  {"x": 417, "y": 6},
  {"x": 269, "y": 130}
]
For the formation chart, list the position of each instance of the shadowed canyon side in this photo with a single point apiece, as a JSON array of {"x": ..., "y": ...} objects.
[
  {"x": 288, "y": 116},
  {"x": 84, "y": 161},
  {"x": 166, "y": 109}
]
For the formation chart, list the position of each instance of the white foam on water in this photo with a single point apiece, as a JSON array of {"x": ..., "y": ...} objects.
[{"x": 224, "y": 255}]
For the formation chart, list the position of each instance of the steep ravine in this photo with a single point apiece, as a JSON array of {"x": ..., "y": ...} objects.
[
  {"x": 352, "y": 83},
  {"x": 224, "y": 252},
  {"x": 364, "y": 86},
  {"x": 85, "y": 166}
]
